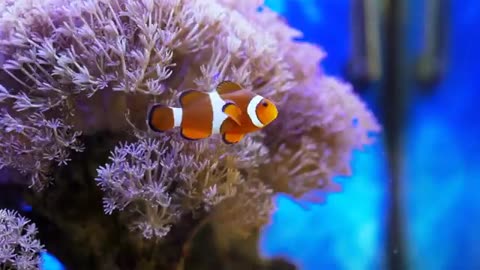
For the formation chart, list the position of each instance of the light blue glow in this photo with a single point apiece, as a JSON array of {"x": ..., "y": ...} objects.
[
  {"x": 308, "y": 8},
  {"x": 49, "y": 262},
  {"x": 311, "y": 10},
  {"x": 277, "y": 5}
]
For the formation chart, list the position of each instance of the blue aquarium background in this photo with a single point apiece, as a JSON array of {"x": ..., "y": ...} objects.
[
  {"x": 440, "y": 180},
  {"x": 441, "y": 208},
  {"x": 347, "y": 232}
]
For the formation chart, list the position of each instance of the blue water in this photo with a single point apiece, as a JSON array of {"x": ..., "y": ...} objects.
[
  {"x": 347, "y": 231},
  {"x": 444, "y": 145},
  {"x": 49, "y": 262},
  {"x": 442, "y": 211},
  {"x": 343, "y": 233}
]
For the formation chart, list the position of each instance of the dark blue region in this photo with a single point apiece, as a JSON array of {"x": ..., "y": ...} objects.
[{"x": 442, "y": 174}]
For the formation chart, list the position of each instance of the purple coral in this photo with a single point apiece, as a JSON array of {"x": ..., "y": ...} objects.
[
  {"x": 320, "y": 126},
  {"x": 73, "y": 68},
  {"x": 19, "y": 248},
  {"x": 157, "y": 181}
]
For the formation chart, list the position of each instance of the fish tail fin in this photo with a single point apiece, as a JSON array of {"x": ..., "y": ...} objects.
[{"x": 162, "y": 118}]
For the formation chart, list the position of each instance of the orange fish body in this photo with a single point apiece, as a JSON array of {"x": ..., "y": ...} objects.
[{"x": 229, "y": 110}]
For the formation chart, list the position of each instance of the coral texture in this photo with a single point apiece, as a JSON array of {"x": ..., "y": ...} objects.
[
  {"x": 74, "y": 68},
  {"x": 160, "y": 180},
  {"x": 19, "y": 248}
]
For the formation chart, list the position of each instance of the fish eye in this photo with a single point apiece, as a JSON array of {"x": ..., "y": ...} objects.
[{"x": 265, "y": 104}]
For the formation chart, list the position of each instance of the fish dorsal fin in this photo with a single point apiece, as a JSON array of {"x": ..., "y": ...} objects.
[
  {"x": 233, "y": 111},
  {"x": 226, "y": 87},
  {"x": 191, "y": 96}
]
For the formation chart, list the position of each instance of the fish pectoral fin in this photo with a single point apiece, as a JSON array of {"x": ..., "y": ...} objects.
[
  {"x": 231, "y": 138},
  {"x": 228, "y": 87},
  {"x": 191, "y": 96},
  {"x": 192, "y": 134},
  {"x": 233, "y": 111}
]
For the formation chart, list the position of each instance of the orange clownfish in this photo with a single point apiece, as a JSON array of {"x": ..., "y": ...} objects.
[{"x": 229, "y": 110}]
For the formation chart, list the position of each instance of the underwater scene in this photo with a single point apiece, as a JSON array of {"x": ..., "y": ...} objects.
[{"x": 239, "y": 135}]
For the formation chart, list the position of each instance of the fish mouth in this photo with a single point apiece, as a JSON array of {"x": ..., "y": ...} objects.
[{"x": 273, "y": 117}]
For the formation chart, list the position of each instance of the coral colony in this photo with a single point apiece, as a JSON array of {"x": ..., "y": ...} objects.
[
  {"x": 71, "y": 69},
  {"x": 18, "y": 246}
]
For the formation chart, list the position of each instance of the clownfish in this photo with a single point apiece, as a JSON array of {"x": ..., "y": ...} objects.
[{"x": 229, "y": 110}]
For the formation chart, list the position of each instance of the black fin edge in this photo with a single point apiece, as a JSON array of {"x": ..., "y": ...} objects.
[
  {"x": 149, "y": 116},
  {"x": 182, "y": 95},
  {"x": 227, "y": 103},
  {"x": 185, "y": 137},
  {"x": 225, "y": 140},
  {"x": 228, "y": 81},
  {"x": 185, "y": 93}
]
